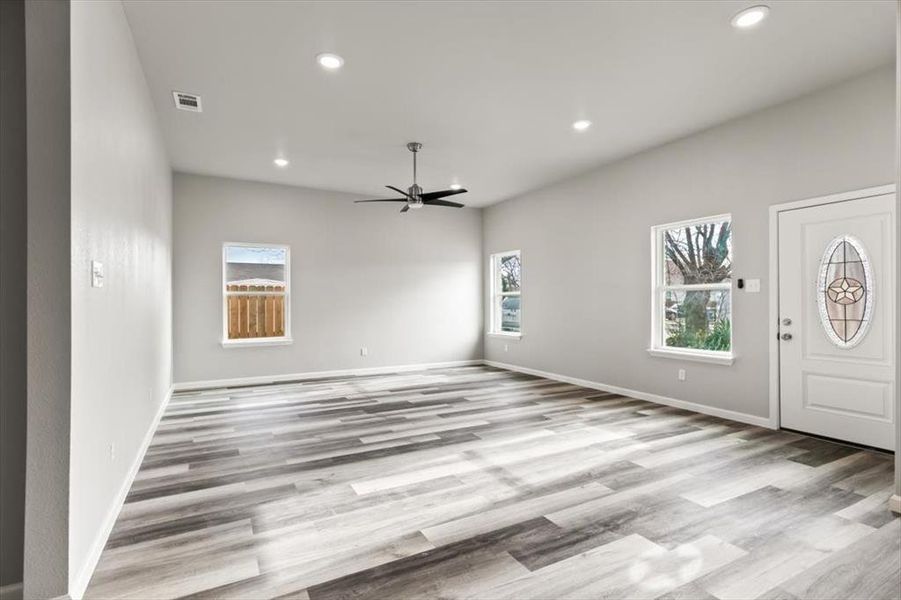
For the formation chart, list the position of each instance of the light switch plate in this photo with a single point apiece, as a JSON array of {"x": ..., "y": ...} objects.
[
  {"x": 752, "y": 286},
  {"x": 96, "y": 274}
]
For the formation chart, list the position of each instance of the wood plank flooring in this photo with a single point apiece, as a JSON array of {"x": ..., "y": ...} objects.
[{"x": 476, "y": 482}]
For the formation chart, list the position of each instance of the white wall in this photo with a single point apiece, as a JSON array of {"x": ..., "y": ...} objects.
[
  {"x": 407, "y": 286},
  {"x": 121, "y": 216},
  {"x": 586, "y": 241}
]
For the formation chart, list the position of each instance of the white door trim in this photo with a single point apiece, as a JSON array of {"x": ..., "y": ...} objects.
[{"x": 773, "y": 328}]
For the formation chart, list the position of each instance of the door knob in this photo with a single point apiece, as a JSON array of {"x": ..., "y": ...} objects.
[
  {"x": 786, "y": 321},
  {"x": 786, "y": 337}
]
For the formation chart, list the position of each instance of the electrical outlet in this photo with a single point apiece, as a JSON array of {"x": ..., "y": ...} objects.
[
  {"x": 681, "y": 374},
  {"x": 752, "y": 286},
  {"x": 364, "y": 351},
  {"x": 506, "y": 347}
]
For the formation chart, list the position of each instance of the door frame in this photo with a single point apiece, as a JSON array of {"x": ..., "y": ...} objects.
[{"x": 773, "y": 329}]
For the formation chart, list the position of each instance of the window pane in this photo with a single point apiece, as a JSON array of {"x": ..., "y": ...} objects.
[
  {"x": 257, "y": 316},
  {"x": 698, "y": 254},
  {"x": 698, "y": 319},
  {"x": 845, "y": 291},
  {"x": 510, "y": 273},
  {"x": 255, "y": 268},
  {"x": 510, "y": 314}
]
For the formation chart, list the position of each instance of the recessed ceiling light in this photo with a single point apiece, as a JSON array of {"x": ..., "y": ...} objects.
[
  {"x": 329, "y": 61},
  {"x": 456, "y": 186},
  {"x": 281, "y": 162},
  {"x": 581, "y": 125},
  {"x": 750, "y": 17}
]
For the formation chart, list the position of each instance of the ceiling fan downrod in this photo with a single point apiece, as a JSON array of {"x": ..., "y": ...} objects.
[{"x": 415, "y": 190}]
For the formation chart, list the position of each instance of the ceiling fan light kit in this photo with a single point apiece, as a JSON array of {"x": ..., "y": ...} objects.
[{"x": 414, "y": 197}]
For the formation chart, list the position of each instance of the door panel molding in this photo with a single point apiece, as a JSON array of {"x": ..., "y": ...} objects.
[
  {"x": 875, "y": 394},
  {"x": 775, "y": 210}
]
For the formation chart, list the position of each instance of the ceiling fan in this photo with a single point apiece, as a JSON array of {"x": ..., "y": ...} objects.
[{"x": 414, "y": 196}]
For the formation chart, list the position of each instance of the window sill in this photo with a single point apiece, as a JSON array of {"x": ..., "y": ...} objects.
[
  {"x": 714, "y": 358},
  {"x": 254, "y": 342},
  {"x": 504, "y": 334}
]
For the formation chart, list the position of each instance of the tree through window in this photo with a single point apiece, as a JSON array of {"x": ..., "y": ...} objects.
[
  {"x": 506, "y": 290},
  {"x": 693, "y": 296}
]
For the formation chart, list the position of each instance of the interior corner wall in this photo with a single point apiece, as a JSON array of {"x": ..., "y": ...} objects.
[
  {"x": 121, "y": 217},
  {"x": 405, "y": 286},
  {"x": 898, "y": 249},
  {"x": 48, "y": 319},
  {"x": 13, "y": 223},
  {"x": 586, "y": 295}
]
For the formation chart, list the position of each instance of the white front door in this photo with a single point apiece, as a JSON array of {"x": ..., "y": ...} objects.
[{"x": 836, "y": 320}]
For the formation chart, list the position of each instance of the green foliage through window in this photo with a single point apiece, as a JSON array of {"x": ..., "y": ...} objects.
[{"x": 717, "y": 339}]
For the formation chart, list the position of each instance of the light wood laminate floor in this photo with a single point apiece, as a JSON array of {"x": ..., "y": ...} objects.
[{"x": 475, "y": 482}]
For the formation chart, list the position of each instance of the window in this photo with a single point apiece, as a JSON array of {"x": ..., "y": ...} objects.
[
  {"x": 845, "y": 291},
  {"x": 692, "y": 279},
  {"x": 506, "y": 287},
  {"x": 255, "y": 280}
]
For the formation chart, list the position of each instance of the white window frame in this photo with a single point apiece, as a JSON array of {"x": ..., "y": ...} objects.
[
  {"x": 496, "y": 295},
  {"x": 659, "y": 288},
  {"x": 262, "y": 341}
]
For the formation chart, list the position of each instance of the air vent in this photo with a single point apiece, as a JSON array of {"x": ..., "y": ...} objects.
[{"x": 184, "y": 101}]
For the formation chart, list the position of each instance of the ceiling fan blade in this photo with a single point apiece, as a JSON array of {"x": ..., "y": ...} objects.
[
  {"x": 441, "y": 194},
  {"x": 442, "y": 203},
  {"x": 383, "y": 200},
  {"x": 400, "y": 191},
  {"x": 405, "y": 209}
]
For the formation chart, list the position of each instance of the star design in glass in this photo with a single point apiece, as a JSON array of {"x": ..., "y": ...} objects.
[{"x": 845, "y": 291}]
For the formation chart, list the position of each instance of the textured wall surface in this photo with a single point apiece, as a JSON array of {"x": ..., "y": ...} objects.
[{"x": 122, "y": 217}]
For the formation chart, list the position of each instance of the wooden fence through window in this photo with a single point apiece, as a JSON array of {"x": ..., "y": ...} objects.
[{"x": 257, "y": 314}]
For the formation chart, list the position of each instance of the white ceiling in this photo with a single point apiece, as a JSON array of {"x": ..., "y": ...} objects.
[{"x": 489, "y": 88}]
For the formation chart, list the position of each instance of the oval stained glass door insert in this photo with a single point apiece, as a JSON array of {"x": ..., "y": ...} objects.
[{"x": 845, "y": 291}]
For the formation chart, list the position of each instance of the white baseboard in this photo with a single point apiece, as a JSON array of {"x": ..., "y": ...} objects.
[
  {"x": 264, "y": 379},
  {"x": 12, "y": 591},
  {"x": 894, "y": 503},
  {"x": 731, "y": 415},
  {"x": 79, "y": 584}
]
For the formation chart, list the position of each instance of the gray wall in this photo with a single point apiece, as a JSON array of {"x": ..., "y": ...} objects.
[
  {"x": 13, "y": 205},
  {"x": 586, "y": 241},
  {"x": 121, "y": 216},
  {"x": 408, "y": 286},
  {"x": 46, "y": 553}
]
